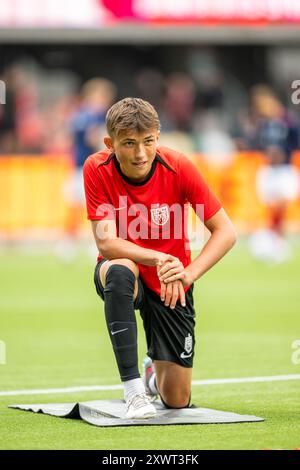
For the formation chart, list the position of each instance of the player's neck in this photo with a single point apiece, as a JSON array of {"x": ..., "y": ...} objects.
[{"x": 135, "y": 181}]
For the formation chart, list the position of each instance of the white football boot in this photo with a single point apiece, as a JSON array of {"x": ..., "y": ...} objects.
[{"x": 139, "y": 407}]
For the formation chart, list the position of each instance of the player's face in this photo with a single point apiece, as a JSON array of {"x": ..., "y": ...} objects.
[{"x": 135, "y": 152}]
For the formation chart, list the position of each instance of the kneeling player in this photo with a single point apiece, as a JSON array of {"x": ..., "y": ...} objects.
[{"x": 137, "y": 195}]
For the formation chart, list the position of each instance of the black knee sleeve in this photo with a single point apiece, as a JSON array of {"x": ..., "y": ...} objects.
[
  {"x": 119, "y": 290},
  {"x": 120, "y": 319}
]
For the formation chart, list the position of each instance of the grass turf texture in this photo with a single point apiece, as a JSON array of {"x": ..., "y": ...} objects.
[{"x": 52, "y": 323}]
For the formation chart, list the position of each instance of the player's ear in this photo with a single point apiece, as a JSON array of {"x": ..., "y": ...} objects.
[
  {"x": 157, "y": 137},
  {"x": 108, "y": 142}
]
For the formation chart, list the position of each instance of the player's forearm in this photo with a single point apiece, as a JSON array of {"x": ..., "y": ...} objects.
[
  {"x": 219, "y": 243},
  {"x": 119, "y": 248}
]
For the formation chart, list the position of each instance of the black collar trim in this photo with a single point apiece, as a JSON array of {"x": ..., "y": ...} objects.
[
  {"x": 157, "y": 158},
  {"x": 137, "y": 183},
  {"x": 109, "y": 159},
  {"x": 160, "y": 160}
]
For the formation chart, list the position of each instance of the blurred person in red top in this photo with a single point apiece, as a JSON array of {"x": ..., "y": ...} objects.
[
  {"x": 22, "y": 120},
  {"x": 29, "y": 120},
  {"x": 137, "y": 196}
]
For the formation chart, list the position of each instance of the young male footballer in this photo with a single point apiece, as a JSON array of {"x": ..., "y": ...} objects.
[{"x": 137, "y": 196}]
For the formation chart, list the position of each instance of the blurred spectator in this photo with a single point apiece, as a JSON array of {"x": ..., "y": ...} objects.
[
  {"x": 88, "y": 122},
  {"x": 87, "y": 127},
  {"x": 8, "y": 119},
  {"x": 29, "y": 122},
  {"x": 208, "y": 76},
  {"x": 269, "y": 127},
  {"x": 182, "y": 141},
  {"x": 179, "y": 103},
  {"x": 57, "y": 139},
  {"x": 213, "y": 139},
  {"x": 150, "y": 85},
  {"x": 218, "y": 93},
  {"x": 275, "y": 131},
  {"x": 38, "y": 107}
]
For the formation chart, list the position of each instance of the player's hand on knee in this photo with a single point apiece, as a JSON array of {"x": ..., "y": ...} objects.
[
  {"x": 171, "y": 293},
  {"x": 162, "y": 258},
  {"x": 172, "y": 270}
]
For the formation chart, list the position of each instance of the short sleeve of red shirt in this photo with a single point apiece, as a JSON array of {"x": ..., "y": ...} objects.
[
  {"x": 196, "y": 190},
  {"x": 97, "y": 203}
]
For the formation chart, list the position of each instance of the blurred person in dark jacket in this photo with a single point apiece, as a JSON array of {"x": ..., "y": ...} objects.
[
  {"x": 87, "y": 127},
  {"x": 274, "y": 130}
]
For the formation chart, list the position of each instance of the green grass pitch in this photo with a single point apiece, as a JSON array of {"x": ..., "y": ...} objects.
[{"x": 51, "y": 321}]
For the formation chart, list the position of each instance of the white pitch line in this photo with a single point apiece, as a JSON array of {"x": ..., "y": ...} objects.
[
  {"x": 272, "y": 378},
  {"x": 93, "y": 388},
  {"x": 45, "y": 391}
]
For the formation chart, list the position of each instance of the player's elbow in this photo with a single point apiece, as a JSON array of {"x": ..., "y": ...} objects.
[
  {"x": 227, "y": 234},
  {"x": 231, "y": 237},
  {"x": 106, "y": 248}
]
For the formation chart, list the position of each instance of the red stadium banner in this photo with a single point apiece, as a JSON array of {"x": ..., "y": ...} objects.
[
  {"x": 235, "y": 12},
  {"x": 97, "y": 13}
]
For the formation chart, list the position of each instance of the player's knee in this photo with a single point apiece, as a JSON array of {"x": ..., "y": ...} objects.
[
  {"x": 119, "y": 279},
  {"x": 127, "y": 263},
  {"x": 176, "y": 398}
]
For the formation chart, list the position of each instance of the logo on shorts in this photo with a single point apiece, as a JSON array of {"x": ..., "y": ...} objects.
[
  {"x": 119, "y": 331},
  {"x": 188, "y": 346},
  {"x": 160, "y": 215},
  {"x": 188, "y": 343}
]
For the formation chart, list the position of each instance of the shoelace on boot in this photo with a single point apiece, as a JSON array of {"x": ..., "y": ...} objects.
[{"x": 138, "y": 401}]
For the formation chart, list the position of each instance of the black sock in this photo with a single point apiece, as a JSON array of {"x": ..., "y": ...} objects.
[{"x": 120, "y": 319}]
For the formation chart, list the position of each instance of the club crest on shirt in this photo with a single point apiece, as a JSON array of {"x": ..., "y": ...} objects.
[{"x": 160, "y": 215}]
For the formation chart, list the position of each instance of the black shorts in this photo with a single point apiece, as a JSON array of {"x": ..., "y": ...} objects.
[{"x": 169, "y": 333}]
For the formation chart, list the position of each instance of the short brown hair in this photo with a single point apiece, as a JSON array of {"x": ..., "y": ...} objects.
[{"x": 131, "y": 114}]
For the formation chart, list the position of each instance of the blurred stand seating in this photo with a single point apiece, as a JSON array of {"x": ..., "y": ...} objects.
[{"x": 201, "y": 113}]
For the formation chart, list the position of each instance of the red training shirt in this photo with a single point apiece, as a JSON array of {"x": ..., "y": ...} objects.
[{"x": 152, "y": 213}]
